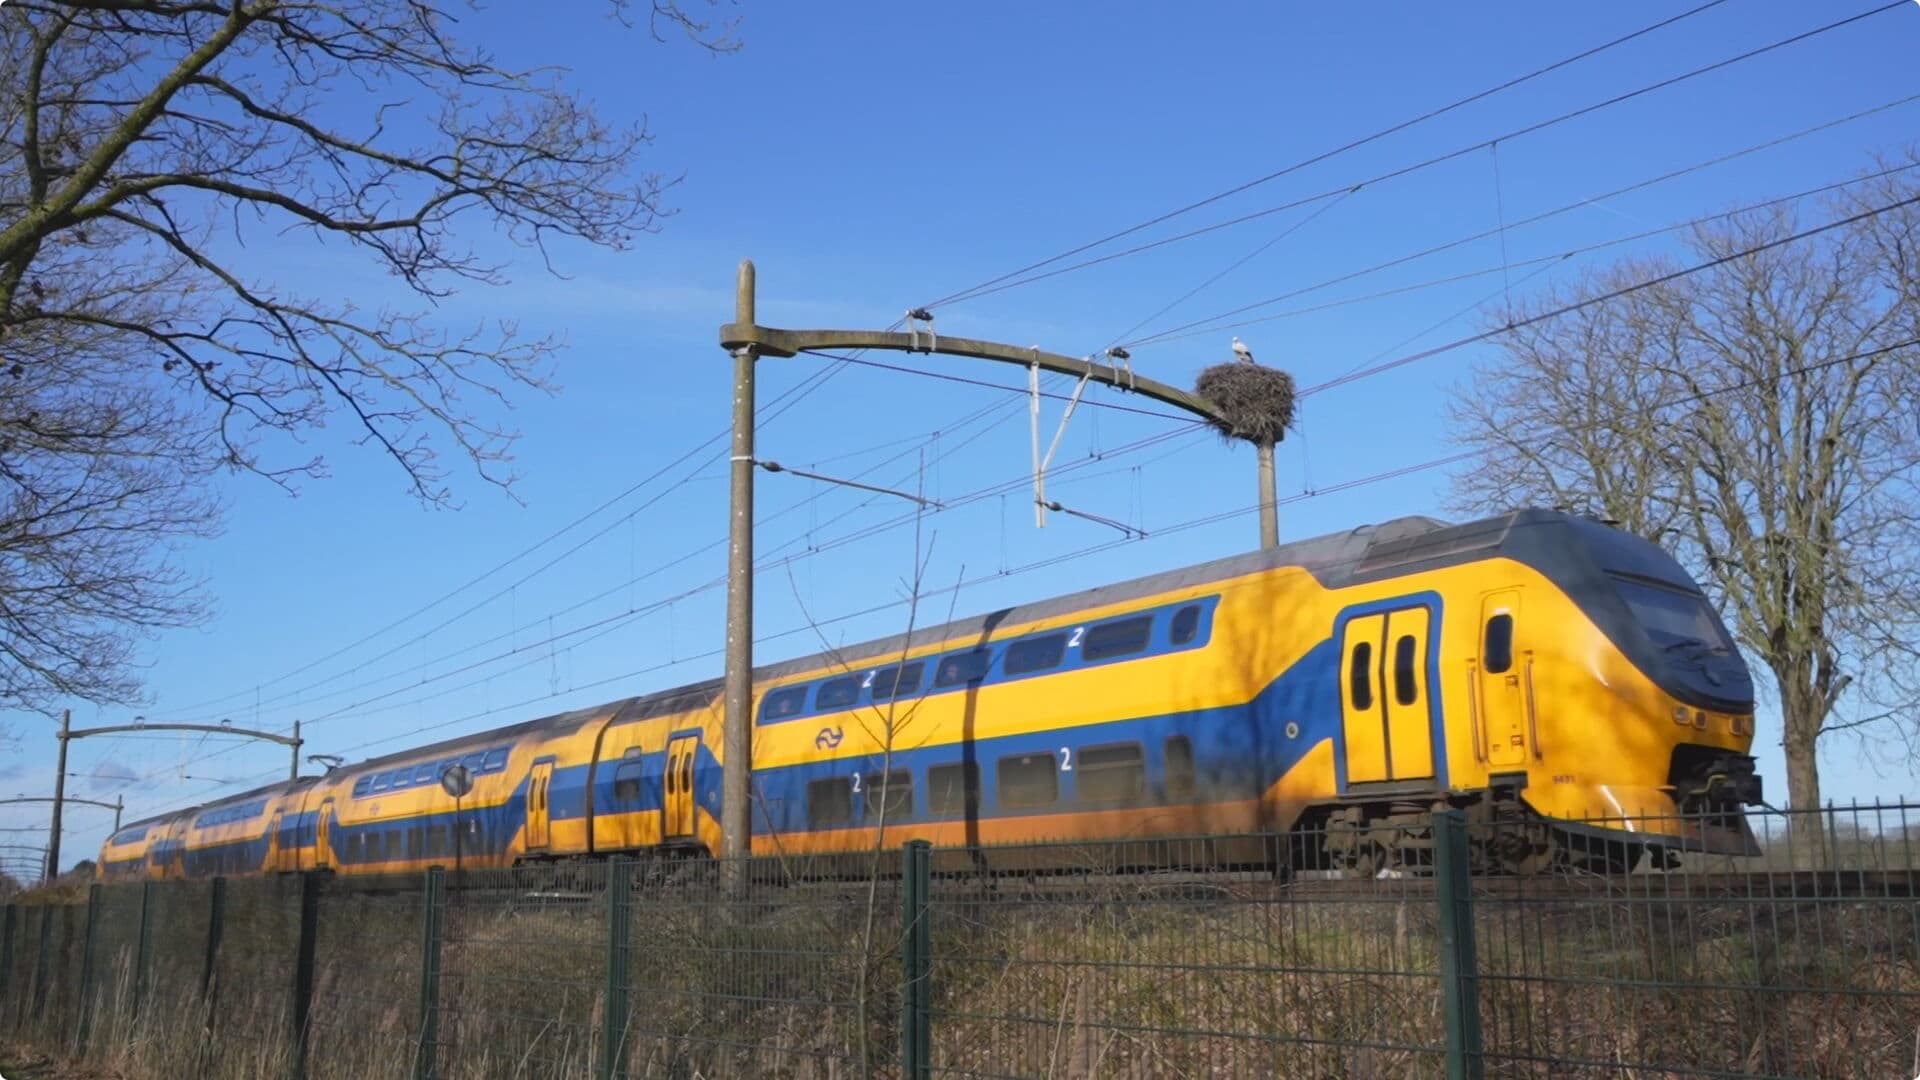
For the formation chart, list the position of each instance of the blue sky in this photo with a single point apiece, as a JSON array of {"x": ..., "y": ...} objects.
[{"x": 872, "y": 157}]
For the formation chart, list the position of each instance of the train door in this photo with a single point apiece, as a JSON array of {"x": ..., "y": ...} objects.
[
  {"x": 273, "y": 844},
  {"x": 677, "y": 786},
  {"x": 323, "y": 836},
  {"x": 1405, "y": 694},
  {"x": 1387, "y": 712},
  {"x": 538, "y": 804},
  {"x": 1363, "y": 714},
  {"x": 1504, "y": 695}
]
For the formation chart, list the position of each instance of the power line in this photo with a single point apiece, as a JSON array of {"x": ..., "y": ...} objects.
[
  {"x": 632, "y": 611},
  {"x": 1325, "y": 155},
  {"x": 1177, "y": 332},
  {"x": 773, "y": 409},
  {"x": 612, "y": 623},
  {"x": 1607, "y": 297},
  {"x": 1345, "y": 189},
  {"x": 1231, "y": 267},
  {"x": 1543, "y": 262}
]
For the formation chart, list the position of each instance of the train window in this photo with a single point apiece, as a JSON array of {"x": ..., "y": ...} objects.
[
  {"x": 362, "y": 786},
  {"x": 425, "y": 774},
  {"x": 966, "y": 667},
  {"x": 897, "y": 682},
  {"x": 829, "y": 802},
  {"x": 1029, "y": 780},
  {"x": 897, "y": 788},
  {"x": 496, "y": 760},
  {"x": 393, "y": 845},
  {"x": 1118, "y": 638},
  {"x": 1186, "y": 624},
  {"x": 1406, "y": 685},
  {"x": 1360, "y": 676},
  {"x": 837, "y": 693},
  {"x": 783, "y": 703},
  {"x": 413, "y": 842},
  {"x": 1498, "y": 653},
  {"x": 950, "y": 786},
  {"x": 1036, "y": 654},
  {"x": 401, "y": 778},
  {"x": 1111, "y": 774},
  {"x": 381, "y": 781},
  {"x": 439, "y": 841},
  {"x": 626, "y": 781},
  {"x": 1179, "y": 767}
]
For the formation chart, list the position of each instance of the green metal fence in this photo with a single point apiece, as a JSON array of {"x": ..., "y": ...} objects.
[{"x": 1147, "y": 958}]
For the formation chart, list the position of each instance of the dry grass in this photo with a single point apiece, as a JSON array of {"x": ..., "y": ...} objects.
[{"x": 1119, "y": 983}]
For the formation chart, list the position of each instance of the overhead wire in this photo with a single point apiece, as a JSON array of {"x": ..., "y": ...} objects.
[
  {"x": 1027, "y": 276},
  {"x": 306, "y": 701},
  {"x": 1515, "y": 324},
  {"x": 1608, "y": 296},
  {"x": 1207, "y": 324},
  {"x": 1315, "y": 159}
]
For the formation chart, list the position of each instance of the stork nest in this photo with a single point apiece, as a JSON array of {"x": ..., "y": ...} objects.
[{"x": 1256, "y": 403}]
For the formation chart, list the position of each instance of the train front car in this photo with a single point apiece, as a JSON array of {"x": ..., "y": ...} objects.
[
  {"x": 1608, "y": 710},
  {"x": 1609, "y": 696}
]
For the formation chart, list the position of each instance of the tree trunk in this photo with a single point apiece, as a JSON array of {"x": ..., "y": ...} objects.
[{"x": 1802, "y": 716}]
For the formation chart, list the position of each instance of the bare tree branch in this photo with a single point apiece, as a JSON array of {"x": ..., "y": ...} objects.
[
  {"x": 143, "y": 349},
  {"x": 1758, "y": 420}
]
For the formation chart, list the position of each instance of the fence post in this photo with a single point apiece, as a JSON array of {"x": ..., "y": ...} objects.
[
  {"x": 40, "y": 972},
  {"x": 1459, "y": 966},
  {"x": 613, "y": 1037},
  {"x": 86, "y": 970},
  {"x": 6, "y": 954},
  {"x": 424, "y": 1056},
  {"x": 216, "y": 925},
  {"x": 303, "y": 966},
  {"x": 144, "y": 947},
  {"x": 916, "y": 1000}
]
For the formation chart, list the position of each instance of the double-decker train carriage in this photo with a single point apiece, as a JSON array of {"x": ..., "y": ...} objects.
[{"x": 1545, "y": 672}]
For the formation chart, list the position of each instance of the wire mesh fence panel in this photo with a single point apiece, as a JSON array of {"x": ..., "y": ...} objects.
[
  {"x": 365, "y": 1018},
  {"x": 251, "y": 989},
  {"x": 177, "y": 955},
  {"x": 1176, "y": 958},
  {"x": 116, "y": 943},
  {"x": 16, "y": 963},
  {"x": 765, "y": 967},
  {"x": 49, "y": 1010},
  {"x": 1354, "y": 952},
  {"x": 522, "y": 972},
  {"x": 1802, "y": 960}
]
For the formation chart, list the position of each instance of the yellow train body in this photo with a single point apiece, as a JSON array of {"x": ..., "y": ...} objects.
[{"x": 1537, "y": 666}]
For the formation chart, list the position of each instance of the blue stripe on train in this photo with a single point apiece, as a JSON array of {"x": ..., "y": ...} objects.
[{"x": 1238, "y": 752}]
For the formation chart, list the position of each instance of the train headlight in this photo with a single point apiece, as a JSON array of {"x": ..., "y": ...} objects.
[{"x": 1680, "y": 715}]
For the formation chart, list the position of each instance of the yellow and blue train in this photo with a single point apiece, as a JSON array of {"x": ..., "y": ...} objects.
[{"x": 1552, "y": 675}]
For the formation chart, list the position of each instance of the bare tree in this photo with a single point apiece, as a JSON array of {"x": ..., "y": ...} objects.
[
  {"x": 1756, "y": 418},
  {"x": 144, "y": 144}
]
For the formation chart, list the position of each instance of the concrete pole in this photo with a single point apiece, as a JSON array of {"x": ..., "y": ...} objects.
[
  {"x": 1269, "y": 504},
  {"x": 293, "y": 770},
  {"x": 735, "y": 816},
  {"x": 59, "y": 798},
  {"x": 119, "y": 805}
]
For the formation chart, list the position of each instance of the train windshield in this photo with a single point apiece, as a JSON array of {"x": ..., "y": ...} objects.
[{"x": 1671, "y": 616}]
